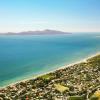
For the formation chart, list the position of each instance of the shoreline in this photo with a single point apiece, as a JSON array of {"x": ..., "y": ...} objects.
[{"x": 62, "y": 67}]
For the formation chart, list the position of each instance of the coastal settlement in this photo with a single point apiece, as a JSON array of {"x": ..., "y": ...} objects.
[{"x": 78, "y": 82}]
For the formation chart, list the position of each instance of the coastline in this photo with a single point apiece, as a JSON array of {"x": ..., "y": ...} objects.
[{"x": 62, "y": 67}]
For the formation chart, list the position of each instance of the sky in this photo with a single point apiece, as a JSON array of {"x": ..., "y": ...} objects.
[{"x": 63, "y": 15}]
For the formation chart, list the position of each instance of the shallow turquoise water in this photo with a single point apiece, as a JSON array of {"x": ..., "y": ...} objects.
[{"x": 22, "y": 56}]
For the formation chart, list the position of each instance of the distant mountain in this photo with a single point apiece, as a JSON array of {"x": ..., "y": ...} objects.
[{"x": 44, "y": 32}]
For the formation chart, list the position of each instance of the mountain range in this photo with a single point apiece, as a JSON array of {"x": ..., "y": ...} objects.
[{"x": 44, "y": 32}]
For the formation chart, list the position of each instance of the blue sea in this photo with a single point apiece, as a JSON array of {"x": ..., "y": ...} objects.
[{"x": 24, "y": 56}]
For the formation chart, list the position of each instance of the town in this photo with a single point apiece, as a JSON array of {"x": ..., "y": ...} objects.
[{"x": 77, "y": 82}]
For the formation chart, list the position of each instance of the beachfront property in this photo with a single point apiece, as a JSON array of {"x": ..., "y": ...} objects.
[{"x": 80, "y": 81}]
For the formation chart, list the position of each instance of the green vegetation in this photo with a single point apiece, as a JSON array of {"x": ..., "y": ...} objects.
[
  {"x": 60, "y": 88},
  {"x": 77, "y": 97},
  {"x": 46, "y": 76},
  {"x": 94, "y": 98},
  {"x": 96, "y": 95}
]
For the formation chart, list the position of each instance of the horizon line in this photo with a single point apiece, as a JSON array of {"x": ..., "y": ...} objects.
[{"x": 47, "y": 30}]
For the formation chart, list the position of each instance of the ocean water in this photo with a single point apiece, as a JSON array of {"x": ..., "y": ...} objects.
[{"x": 23, "y": 56}]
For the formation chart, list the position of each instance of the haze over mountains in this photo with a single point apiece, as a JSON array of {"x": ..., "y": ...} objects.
[{"x": 47, "y": 31}]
